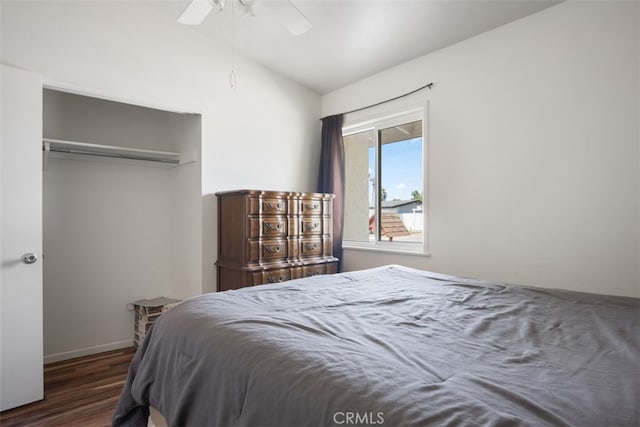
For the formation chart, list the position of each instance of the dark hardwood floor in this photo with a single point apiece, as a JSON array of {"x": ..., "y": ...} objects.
[{"x": 78, "y": 392}]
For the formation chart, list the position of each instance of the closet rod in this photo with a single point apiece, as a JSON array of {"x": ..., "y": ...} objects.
[{"x": 72, "y": 147}]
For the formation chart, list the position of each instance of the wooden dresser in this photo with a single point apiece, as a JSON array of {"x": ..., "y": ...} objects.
[{"x": 273, "y": 236}]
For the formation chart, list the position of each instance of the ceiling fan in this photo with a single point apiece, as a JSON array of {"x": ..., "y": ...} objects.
[{"x": 288, "y": 14}]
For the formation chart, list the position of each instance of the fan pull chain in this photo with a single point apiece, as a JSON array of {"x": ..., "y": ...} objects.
[
  {"x": 232, "y": 80},
  {"x": 232, "y": 76}
]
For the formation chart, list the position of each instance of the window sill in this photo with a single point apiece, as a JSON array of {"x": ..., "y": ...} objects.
[{"x": 384, "y": 248}]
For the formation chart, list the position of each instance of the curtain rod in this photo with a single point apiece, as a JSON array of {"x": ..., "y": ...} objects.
[{"x": 427, "y": 86}]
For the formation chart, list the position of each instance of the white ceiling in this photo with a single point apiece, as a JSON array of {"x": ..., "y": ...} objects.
[{"x": 352, "y": 39}]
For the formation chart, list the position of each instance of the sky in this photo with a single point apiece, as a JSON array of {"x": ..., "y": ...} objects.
[{"x": 401, "y": 168}]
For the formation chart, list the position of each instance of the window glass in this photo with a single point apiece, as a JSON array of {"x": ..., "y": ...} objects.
[{"x": 384, "y": 185}]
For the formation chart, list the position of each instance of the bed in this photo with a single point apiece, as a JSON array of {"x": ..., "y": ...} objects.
[{"x": 390, "y": 346}]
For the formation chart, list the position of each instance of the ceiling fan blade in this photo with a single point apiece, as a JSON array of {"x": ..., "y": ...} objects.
[
  {"x": 195, "y": 12},
  {"x": 290, "y": 16}
]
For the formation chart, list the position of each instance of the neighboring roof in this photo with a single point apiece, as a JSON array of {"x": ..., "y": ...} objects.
[{"x": 398, "y": 203}]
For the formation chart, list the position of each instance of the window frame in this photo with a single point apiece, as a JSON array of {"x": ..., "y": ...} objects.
[{"x": 376, "y": 121}]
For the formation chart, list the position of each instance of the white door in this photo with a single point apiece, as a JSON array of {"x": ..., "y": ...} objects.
[{"x": 21, "y": 358}]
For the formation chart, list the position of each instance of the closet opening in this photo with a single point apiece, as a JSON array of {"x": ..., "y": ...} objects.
[{"x": 122, "y": 217}]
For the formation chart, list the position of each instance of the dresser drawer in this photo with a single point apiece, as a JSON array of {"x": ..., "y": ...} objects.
[
  {"x": 310, "y": 206},
  {"x": 311, "y": 225},
  {"x": 313, "y": 270},
  {"x": 271, "y": 226},
  {"x": 276, "y": 275},
  {"x": 273, "y": 206},
  {"x": 267, "y": 250},
  {"x": 268, "y": 206},
  {"x": 311, "y": 247},
  {"x": 316, "y": 270}
]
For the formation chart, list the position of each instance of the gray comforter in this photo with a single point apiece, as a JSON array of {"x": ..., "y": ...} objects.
[{"x": 390, "y": 346}]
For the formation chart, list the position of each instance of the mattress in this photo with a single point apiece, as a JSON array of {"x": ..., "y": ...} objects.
[{"x": 390, "y": 346}]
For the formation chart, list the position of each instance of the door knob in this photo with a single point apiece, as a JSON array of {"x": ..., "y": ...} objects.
[{"x": 30, "y": 258}]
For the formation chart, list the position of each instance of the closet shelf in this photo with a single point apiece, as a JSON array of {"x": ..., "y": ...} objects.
[{"x": 86, "y": 149}]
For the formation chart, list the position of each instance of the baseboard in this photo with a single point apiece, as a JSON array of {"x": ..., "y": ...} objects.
[{"x": 57, "y": 357}]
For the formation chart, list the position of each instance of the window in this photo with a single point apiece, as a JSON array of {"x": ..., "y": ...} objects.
[{"x": 384, "y": 184}]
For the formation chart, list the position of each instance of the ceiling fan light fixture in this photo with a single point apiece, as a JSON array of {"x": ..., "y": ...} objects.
[
  {"x": 197, "y": 10},
  {"x": 290, "y": 17},
  {"x": 219, "y": 4},
  {"x": 248, "y": 6},
  {"x": 284, "y": 10}
]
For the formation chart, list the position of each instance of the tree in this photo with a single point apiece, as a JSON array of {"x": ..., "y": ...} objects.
[
  {"x": 384, "y": 193},
  {"x": 416, "y": 195}
]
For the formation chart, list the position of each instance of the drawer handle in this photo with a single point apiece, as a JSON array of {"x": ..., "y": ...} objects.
[
  {"x": 273, "y": 227},
  {"x": 270, "y": 205},
  {"x": 272, "y": 249},
  {"x": 310, "y": 246},
  {"x": 311, "y": 206},
  {"x": 312, "y": 273},
  {"x": 275, "y": 279}
]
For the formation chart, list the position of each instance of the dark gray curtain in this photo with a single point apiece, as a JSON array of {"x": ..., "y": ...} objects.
[{"x": 332, "y": 176}]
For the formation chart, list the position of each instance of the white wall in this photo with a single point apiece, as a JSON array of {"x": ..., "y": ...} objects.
[
  {"x": 263, "y": 135},
  {"x": 533, "y": 150}
]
